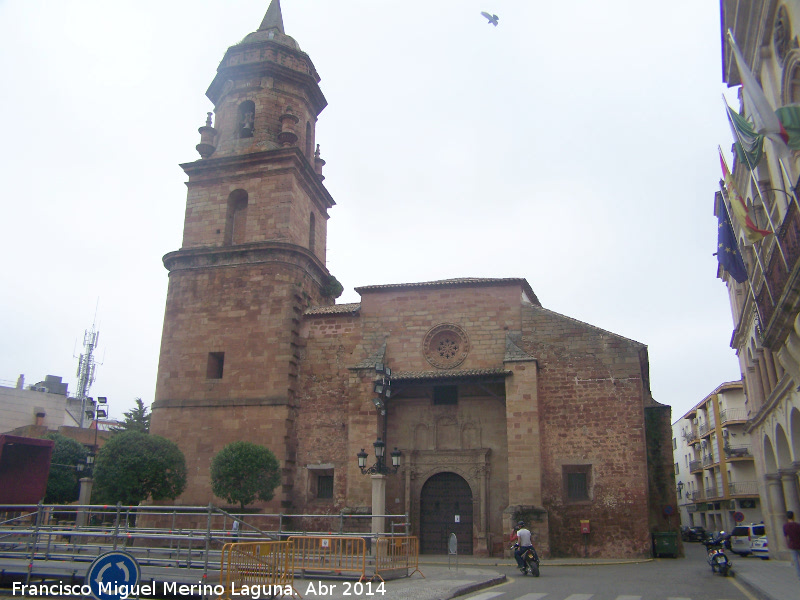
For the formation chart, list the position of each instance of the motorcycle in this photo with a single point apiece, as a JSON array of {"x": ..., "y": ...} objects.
[
  {"x": 531, "y": 560},
  {"x": 719, "y": 561}
]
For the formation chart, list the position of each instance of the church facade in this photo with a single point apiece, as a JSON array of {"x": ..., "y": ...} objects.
[{"x": 500, "y": 408}]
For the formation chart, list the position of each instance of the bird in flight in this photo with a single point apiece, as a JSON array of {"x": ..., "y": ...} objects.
[{"x": 493, "y": 19}]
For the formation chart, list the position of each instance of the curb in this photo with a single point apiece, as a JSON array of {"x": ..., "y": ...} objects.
[
  {"x": 474, "y": 587},
  {"x": 744, "y": 581}
]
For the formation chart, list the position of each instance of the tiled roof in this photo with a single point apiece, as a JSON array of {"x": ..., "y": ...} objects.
[
  {"x": 454, "y": 374},
  {"x": 336, "y": 309},
  {"x": 457, "y": 282}
]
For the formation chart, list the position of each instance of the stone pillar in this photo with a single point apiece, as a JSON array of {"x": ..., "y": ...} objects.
[
  {"x": 378, "y": 504},
  {"x": 775, "y": 512},
  {"x": 763, "y": 375},
  {"x": 791, "y": 495},
  {"x": 772, "y": 374},
  {"x": 84, "y": 498}
]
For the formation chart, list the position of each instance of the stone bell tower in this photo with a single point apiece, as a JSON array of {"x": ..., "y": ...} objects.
[{"x": 252, "y": 260}]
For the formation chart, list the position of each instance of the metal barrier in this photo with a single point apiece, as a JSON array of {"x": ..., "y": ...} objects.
[
  {"x": 263, "y": 569},
  {"x": 394, "y": 553},
  {"x": 331, "y": 555}
]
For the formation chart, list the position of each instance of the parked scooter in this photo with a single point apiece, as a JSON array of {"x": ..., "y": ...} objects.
[
  {"x": 719, "y": 561},
  {"x": 531, "y": 559}
]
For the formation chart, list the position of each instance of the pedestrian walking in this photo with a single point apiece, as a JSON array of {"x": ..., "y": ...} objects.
[{"x": 791, "y": 529}]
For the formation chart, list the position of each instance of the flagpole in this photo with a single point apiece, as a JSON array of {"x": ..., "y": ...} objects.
[
  {"x": 755, "y": 183},
  {"x": 755, "y": 251},
  {"x": 755, "y": 248},
  {"x": 788, "y": 178},
  {"x": 739, "y": 250}
]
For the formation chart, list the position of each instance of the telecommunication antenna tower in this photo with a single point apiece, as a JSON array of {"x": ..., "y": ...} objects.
[{"x": 86, "y": 369}]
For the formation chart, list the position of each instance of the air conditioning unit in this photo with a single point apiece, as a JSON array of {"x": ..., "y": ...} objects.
[{"x": 41, "y": 388}]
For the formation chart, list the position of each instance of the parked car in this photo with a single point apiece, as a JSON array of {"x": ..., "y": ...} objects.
[
  {"x": 693, "y": 534},
  {"x": 760, "y": 547},
  {"x": 750, "y": 539}
]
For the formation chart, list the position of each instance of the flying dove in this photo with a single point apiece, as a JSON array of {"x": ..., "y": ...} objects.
[{"x": 493, "y": 19}]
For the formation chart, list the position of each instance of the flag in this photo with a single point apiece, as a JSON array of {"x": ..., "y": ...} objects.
[
  {"x": 739, "y": 208},
  {"x": 749, "y": 144},
  {"x": 789, "y": 116},
  {"x": 727, "y": 250},
  {"x": 764, "y": 118}
]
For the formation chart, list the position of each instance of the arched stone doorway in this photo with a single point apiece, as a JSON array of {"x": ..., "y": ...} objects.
[{"x": 445, "y": 507}]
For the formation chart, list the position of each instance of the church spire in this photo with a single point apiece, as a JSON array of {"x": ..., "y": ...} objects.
[{"x": 273, "y": 19}]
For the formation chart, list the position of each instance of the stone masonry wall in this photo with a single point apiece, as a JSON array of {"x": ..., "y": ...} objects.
[{"x": 592, "y": 417}]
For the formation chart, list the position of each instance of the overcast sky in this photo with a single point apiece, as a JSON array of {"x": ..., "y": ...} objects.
[{"x": 574, "y": 145}]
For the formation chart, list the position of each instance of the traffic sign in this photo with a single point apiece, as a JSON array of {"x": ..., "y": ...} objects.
[
  {"x": 112, "y": 575},
  {"x": 738, "y": 516}
]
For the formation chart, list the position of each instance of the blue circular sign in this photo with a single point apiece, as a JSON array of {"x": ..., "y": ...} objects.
[{"x": 113, "y": 575}]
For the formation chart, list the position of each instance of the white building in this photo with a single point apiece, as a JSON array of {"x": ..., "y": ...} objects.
[
  {"x": 766, "y": 304},
  {"x": 714, "y": 462}
]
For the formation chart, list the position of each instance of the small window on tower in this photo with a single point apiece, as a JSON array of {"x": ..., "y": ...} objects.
[
  {"x": 247, "y": 118},
  {"x": 216, "y": 360}
]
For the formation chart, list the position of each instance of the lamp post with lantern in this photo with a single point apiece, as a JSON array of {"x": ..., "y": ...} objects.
[{"x": 380, "y": 469}]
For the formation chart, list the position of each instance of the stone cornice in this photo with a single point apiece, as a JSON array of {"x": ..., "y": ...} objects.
[
  {"x": 247, "y": 68},
  {"x": 254, "y": 253},
  {"x": 221, "y": 402},
  {"x": 243, "y": 166}
]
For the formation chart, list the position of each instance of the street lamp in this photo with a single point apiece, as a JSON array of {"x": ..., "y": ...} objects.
[
  {"x": 680, "y": 489},
  {"x": 380, "y": 467}
]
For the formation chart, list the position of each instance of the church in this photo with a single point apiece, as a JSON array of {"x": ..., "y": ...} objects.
[{"x": 495, "y": 407}]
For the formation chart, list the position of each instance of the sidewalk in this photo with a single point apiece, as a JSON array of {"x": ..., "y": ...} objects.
[{"x": 774, "y": 579}]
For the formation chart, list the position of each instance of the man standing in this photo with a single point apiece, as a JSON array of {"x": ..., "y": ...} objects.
[{"x": 791, "y": 530}]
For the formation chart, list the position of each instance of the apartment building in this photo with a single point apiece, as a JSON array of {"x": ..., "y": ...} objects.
[{"x": 715, "y": 472}]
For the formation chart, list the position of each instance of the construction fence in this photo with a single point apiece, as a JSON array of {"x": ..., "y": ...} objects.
[{"x": 270, "y": 567}]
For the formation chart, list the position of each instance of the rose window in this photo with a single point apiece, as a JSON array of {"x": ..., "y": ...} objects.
[{"x": 446, "y": 346}]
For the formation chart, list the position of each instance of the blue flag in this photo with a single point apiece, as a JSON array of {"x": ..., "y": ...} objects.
[{"x": 727, "y": 248}]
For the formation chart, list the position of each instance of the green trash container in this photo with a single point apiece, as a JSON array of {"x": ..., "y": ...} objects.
[{"x": 665, "y": 543}]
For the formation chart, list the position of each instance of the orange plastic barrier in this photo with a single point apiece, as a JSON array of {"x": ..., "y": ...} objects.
[
  {"x": 267, "y": 567},
  {"x": 397, "y": 553},
  {"x": 332, "y": 555}
]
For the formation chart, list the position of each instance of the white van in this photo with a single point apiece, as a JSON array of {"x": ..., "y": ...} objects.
[{"x": 750, "y": 539}]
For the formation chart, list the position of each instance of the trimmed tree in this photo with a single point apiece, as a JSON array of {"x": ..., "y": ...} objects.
[
  {"x": 242, "y": 472},
  {"x": 63, "y": 485},
  {"x": 133, "y": 466}
]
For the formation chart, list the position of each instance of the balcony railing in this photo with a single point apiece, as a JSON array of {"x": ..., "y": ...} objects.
[
  {"x": 709, "y": 460},
  {"x": 691, "y": 435},
  {"x": 776, "y": 320},
  {"x": 695, "y": 465},
  {"x": 703, "y": 429},
  {"x": 743, "y": 488},
  {"x": 739, "y": 451},
  {"x": 713, "y": 493},
  {"x": 732, "y": 414}
]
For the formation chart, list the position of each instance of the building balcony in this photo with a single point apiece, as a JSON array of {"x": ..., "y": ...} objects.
[
  {"x": 709, "y": 461},
  {"x": 695, "y": 465},
  {"x": 690, "y": 436},
  {"x": 739, "y": 451},
  {"x": 743, "y": 488},
  {"x": 713, "y": 493},
  {"x": 704, "y": 429},
  {"x": 732, "y": 415},
  {"x": 783, "y": 283}
]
